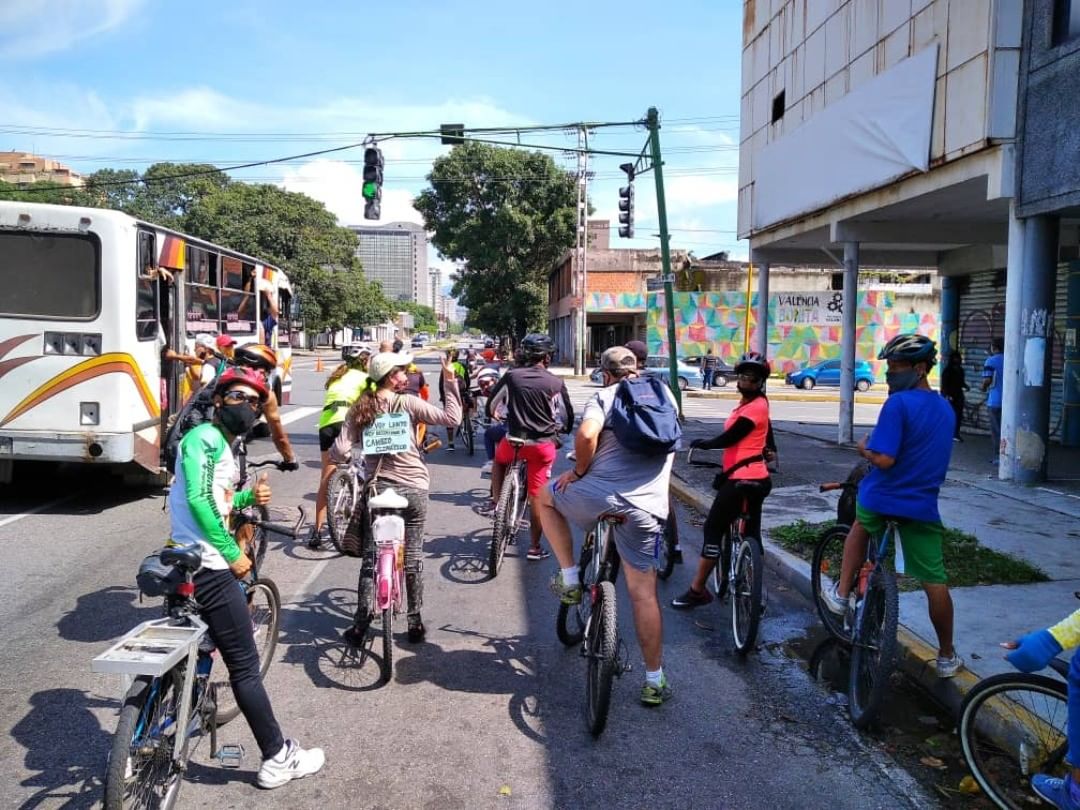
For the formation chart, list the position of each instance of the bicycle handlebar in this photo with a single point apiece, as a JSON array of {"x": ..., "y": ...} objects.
[
  {"x": 282, "y": 466},
  {"x": 277, "y": 528},
  {"x": 692, "y": 463}
]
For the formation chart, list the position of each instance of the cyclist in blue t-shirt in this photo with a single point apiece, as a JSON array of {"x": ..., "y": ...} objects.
[
  {"x": 994, "y": 385},
  {"x": 909, "y": 451}
]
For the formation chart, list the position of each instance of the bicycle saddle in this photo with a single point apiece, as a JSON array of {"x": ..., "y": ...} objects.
[
  {"x": 186, "y": 558},
  {"x": 515, "y": 441},
  {"x": 749, "y": 486},
  {"x": 388, "y": 499}
]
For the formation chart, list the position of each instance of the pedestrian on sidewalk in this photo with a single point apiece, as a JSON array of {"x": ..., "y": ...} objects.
[
  {"x": 747, "y": 434},
  {"x": 708, "y": 368},
  {"x": 1034, "y": 652},
  {"x": 993, "y": 384},
  {"x": 909, "y": 449},
  {"x": 953, "y": 386}
]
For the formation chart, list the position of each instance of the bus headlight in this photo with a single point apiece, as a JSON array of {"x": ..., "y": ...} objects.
[
  {"x": 73, "y": 344},
  {"x": 89, "y": 413}
]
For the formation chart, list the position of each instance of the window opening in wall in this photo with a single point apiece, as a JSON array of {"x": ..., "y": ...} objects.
[
  {"x": 837, "y": 281},
  {"x": 778, "y": 105},
  {"x": 1066, "y": 21}
]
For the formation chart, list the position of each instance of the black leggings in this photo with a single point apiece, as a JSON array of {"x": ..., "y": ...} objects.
[
  {"x": 224, "y": 609},
  {"x": 726, "y": 506},
  {"x": 414, "y": 516}
]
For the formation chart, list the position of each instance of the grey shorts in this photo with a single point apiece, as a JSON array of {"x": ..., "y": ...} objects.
[{"x": 637, "y": 538}]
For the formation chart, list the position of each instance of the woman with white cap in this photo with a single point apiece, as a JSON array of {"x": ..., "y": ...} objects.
[{"x": 406, "y": 471}]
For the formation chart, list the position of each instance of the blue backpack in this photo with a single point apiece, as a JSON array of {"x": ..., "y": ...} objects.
[{"x": 643, "y": 418}]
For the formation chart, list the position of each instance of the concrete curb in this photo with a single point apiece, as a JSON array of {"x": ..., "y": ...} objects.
[{"x": 916, "y": 657}]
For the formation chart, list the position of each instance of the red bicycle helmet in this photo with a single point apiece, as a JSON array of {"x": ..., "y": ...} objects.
[
  {"x": 754, "y": 361},
  {"x": 256, "y": 355},
  {"x": 242, "y": 376}
]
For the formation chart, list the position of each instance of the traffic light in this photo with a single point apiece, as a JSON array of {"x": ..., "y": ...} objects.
[
  {"x": 373, "y": 179},
  {"x": 626, "y": 211}
]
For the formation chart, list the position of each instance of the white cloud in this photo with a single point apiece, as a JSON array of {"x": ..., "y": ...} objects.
[
  {"x": 337, "y": 186},
  {"x": 33, "y": 28}
]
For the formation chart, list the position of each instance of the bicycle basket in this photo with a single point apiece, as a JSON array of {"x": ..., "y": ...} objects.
[{"x": 156, "y": 579}]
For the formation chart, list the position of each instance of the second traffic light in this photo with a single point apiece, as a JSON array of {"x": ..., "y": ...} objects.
[
  {"x": 626, "y": 211},
  {"x": 373, "y": 180}
]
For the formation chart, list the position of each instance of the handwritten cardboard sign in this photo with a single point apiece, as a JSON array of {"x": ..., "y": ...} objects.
[{"x": 389, "y": 433}]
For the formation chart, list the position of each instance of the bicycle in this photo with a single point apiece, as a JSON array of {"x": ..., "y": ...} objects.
[
  {"x": 870, "y": 622},
  {"x": 745, "y": 557},
  {"x": 593, "y": 622},
  {"x": 1012, "y": 726},
  {"x": 172, "y": 697},
  {"x": 510, "y": 510},
  {"x": 464, "y": 429},
  {"x": 385, "y": 557},
  {"x": 343, "y": 492},
  {"x": 669, "y": 553}
]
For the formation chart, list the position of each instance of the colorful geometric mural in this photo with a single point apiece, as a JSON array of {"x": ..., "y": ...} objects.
[
  {"x": 615, "y": 302},
  {"x": 798, "y": 335}
]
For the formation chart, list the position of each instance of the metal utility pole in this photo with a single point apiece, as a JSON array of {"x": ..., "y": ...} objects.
[
  {"x": 653, "y": 123},
  {"x": 581, "y": 252}
]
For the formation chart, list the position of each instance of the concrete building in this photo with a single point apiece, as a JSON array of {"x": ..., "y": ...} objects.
[
  {"x": 885, "y": 134},
  {"x": 24, "y": 169},
  {"x": 395, "y": 255}
]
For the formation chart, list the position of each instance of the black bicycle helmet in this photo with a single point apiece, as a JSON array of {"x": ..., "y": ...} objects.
[
  {"x": 754, "y": 361},
  {"x": 536, "y": 347},
  {"x": 912, "y": 348}
]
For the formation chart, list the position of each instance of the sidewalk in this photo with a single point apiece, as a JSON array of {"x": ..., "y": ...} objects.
[{"x": 1039, "y": 525}]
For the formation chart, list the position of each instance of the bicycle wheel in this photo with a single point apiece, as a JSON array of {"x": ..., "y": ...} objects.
[
  {"x": 506, "y": 522},
  {"x": 746, "y": 595},
  {"x": 668, "y": 543},
  {"x": 387, "y": 645},
  {"x": 341, "y": 498},
  {"x": 141, "y": 771},
  {"x": 873, "y": 649},
  {"x": 466, "y": 431},
  {"x": 572, "y": 619},
  {"x": 601, "y": 644},
  {"x": 1011, "y": 727},
  {"x": 824, "y": 571},
  {"x": 264, "y": 605}
]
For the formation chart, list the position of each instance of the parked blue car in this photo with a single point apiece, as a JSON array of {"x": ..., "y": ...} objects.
[{"x": 827, "y": 372}]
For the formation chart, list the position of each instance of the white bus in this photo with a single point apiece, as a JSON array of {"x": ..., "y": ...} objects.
[{"x": 89, "y": 300}]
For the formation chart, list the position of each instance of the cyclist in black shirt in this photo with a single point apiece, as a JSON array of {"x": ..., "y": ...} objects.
[{"x": 534, "y": 395}]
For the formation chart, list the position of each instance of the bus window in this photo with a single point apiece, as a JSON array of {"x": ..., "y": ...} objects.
[
  {"x": 202, "y": 266},
  {"x": 50, "y": 276},
  {"x": 285, "y": 317},
  {"x": 232, "y": 273},
  {"x": 145, "y": 304},
  {"x": 202, "y": 309},
  {"x": 237, "y": 312}
]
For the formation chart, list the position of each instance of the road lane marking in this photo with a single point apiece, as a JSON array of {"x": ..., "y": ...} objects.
[
  {"x": 9, "y": 520},
  {"x": 299, "y": 413}
]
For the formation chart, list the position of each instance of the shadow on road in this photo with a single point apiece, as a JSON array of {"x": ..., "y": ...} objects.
[
  {"x": 65, "y": 744},
  {"x": 464, "y": 558},
  {"x": 106, "y": 614}
]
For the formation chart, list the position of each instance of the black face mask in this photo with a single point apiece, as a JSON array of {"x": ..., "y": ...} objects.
[
  {"x": 902, "y": 380},
  {"x": 238, "y": 419}
]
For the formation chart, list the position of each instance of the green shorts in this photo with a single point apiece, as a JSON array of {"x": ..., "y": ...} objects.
[{"x": 921, "y": 541}]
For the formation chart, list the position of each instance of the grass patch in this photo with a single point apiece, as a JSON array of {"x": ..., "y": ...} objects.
[{"x": 966, "y": 562}]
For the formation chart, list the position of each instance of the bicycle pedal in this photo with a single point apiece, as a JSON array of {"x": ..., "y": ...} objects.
[{"x": 230, "y": 756}]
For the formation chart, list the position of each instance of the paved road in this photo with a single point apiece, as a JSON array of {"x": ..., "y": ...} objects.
[{"x": 487, "y": 712}]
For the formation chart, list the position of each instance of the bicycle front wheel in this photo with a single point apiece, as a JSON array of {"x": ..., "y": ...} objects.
[
  {"x": 746, "y": 595},
  {"x": 824, "y": 572},
  {"x": 264, "y": 606},
  {"x": 873, "y": 647},
  {"x": 506, "y": 522},
  {"x": 466, "y": 429},
  {"x": 668, "y": 543},
  {"x": 1013, "y": 726},
  {"x": 141, "y": 770},
  {"x": 341, "y": 496},
  {"x": 601, "y": 645},
  {"x": 572, "y": 619}
]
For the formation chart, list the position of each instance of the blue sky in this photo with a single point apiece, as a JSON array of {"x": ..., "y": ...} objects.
[{"x": 238, "y": 80}]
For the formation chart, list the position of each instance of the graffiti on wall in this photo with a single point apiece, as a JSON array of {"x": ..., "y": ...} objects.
[{"x": 804, "y": 328}]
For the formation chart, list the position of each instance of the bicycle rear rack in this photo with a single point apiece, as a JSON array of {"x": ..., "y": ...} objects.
[{"x": 151, "y": 648}]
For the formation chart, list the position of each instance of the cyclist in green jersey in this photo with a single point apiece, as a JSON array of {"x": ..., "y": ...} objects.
[
  {"x": 202, "y": 495},
  {"x": 343, "y": 388}
]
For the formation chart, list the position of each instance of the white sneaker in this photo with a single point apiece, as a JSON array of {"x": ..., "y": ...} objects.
[
  {"x": 292, "y": 762},
  {"x": 948, "y": 667},
  {"x": 486, "y": 469},
  {"x": 833, "y": 601}
]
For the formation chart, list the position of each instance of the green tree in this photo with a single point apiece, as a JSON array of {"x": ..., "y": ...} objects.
[
  {"x": 44, "y": 192},
  {"x": 424, "y": 319},
  {"x": 509, "y": 214}
]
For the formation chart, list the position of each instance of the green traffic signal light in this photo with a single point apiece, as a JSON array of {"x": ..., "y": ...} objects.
[{"x": 369, "y": 191}]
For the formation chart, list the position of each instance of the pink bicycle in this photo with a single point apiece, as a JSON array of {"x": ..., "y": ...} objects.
[{"x": 388, "y": 571}]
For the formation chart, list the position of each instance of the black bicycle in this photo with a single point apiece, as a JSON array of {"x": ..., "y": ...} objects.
[
  {"x": 593, "y": 621},
  {"x": 509, "y": 510},
  {"x": 741, "y": 567},
  {"x": 669, "y": 551},
  {"x": 1013, "y": 726}
]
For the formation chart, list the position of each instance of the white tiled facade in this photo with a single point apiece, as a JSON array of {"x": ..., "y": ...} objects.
[{"x": 816, "y": 51}]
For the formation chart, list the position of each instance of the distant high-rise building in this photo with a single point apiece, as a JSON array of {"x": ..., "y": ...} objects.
[{"x": 395, "y": 255}]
